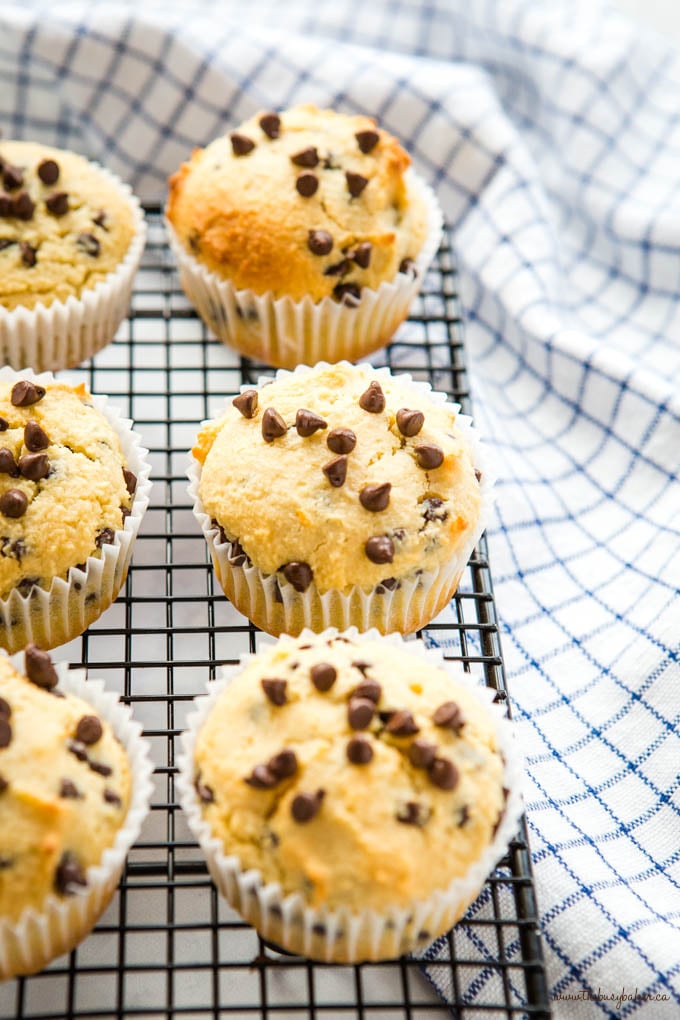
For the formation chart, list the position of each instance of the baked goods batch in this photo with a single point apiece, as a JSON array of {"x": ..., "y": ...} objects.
[{"x": 369, "y": 786}]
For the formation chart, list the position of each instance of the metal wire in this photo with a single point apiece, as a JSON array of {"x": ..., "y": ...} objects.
[{"x": 168, "y": 946}]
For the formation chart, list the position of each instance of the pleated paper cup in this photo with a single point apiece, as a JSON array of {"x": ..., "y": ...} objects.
[
  {"x": 278, "y": 608},
  {"x": 286, "y": 333},
  {"x": 38, "y": 936},
  {"x": 51, "y": 616},
  {"x": 66, "y": 333},
  {"x": 343, "y": 936}
]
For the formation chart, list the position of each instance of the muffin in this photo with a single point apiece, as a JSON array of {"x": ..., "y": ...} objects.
[
  {"x": 71, "y": 237},
  {"x": 340, "y": 495},
  {"x": 351, "y": 793},
  {"x": 73, "y": 488},
  {"x": 74, "y": 788},
  {"x": 302, "y": 235}
]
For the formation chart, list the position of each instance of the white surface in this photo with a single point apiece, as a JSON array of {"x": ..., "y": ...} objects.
[{"x": 662, "y": 15}]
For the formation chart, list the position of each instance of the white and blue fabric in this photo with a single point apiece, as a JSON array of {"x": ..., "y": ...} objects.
[{"x": 551, "y": 132}]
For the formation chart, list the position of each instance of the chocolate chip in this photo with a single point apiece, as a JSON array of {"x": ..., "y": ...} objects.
[
  {"x": 463, "y": 816},
  {"x": 375, "y": 497},
  {"x": 367, "y": 140},
  {"x": 57, "y": 203},
  {"x": 4, "y": 425},
  {"x": 23, "y": 206},
  {"x": 100, "y": 768},
  {"x": 26, "y": 585},
  {"x": 360, "y": 712},
  {"x": 402, "y": 724},
  {"x": 373, "y": 399},
  {"x": 78, "y": 750},
  {"x": 443, "y": 773},
  {"x": 6, "y": 205},
  {"x": 5, "y": 732},
  {"x": 69, "y": 790},
  {"x": 362, "y": 254},
  {"x": 246, "y": 403},
  {"x": 48, "y": 171},
  {"x": 5, "y": 709},
  {"x": 89, "y": 244},
  {"x": 307, "y": 183},
  {"x": 323, "y": 676},
  {"x": 478, "y": 475},
  {"x": 413, "y": 813},
  {"x": 35, "y": 437},
  {"x": 3, "y": 786},
  {"x": 89, "y": 729},
  {"x": 130, "y": 481},
  {"x": 273, "y": 425},
  {"x": 270, "y": 124},
  {"x": 319, "y": 242},
  {"x": 300, "y": 575},
  {"x": 241, "y": 145},
  {"x": 355, "y": 183},
  {"x": 380, "y": 549},
  {"x": 336, "y": 471},
  {"x": 28, "y": 254},
  {"x": 69, "y": 875},
  {"x": 13, "y": 503},
  {"x": 275, "y": 691},
  {"x": 111, "y": 797},
  {"x": 34, "y": 466},
  {"x": 449, "y": 715},
  {"x": 433, "y": 509},
  {"x": 39, "y": 668},
  {"x": 409, "y": 422},
  {"x": 6, "y": 242},
  {"x": 388, "y": 584},
  {"x": 261, "y": 778},
  {"x": 105, "y": 537},
  {"x": 100, "y": 219},
  {"x": 284, "y": 764},
  {"x": 429, "y": 457},
  {"x": 12, "y": 177},
  {"x": 206, "y": 794},
  {"x": 306, "y": 806},
  {"x": 421, "y": 754},
  {"x": 341, "y": 441},
  {"x": 8, "y": 465},
  {"x": 348, "y": 293},
  {"x": 359, "y": 751},
  {"x": 24, "y": 393},
  {"x": 307, "y": 423},
  {"x": 408, "y": 266},
  {"x": 368, "y": 688},
  {"x": 340, "y": 268},
  {"x": 308, "y": 157}
]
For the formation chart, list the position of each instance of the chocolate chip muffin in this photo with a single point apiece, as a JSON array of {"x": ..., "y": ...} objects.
[
  {"x": 362, "y": 776},
  {"x": 69, "y": 233},
  {"x": 303, "y": 207},
  {"x": 340, "y": 495},
  {"x": 67, "y": 488},
  {"x": 74, "y": 787}
]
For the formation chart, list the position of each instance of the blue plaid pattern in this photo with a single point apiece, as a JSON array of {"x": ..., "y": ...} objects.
[{"x": 552, "y": 134}]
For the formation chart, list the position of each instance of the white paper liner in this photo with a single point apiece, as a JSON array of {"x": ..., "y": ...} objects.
[
  {"x": 342, "y": 936},
  {"x": 280, "y": 609},
  {"x": 286, "y": 333},
  {"x": 68, "y": 332},
  {"x": 52, "y": 616},
  {"x": 28, "y": 944}
]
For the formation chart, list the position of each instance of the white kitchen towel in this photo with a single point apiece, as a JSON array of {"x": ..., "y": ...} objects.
[{"x": 551, "y": 131}]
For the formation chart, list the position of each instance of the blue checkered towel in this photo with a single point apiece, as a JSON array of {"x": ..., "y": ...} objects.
[{"x": 552, "y": 134}]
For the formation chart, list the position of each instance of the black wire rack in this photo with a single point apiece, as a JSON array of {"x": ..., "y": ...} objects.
[{"x": 168, "y": 946}]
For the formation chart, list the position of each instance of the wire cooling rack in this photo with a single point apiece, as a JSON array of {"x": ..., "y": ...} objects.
[{"x": 168, "y": 946}]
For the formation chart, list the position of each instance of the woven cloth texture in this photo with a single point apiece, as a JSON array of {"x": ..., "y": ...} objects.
[{"x": 551, "y": 132}]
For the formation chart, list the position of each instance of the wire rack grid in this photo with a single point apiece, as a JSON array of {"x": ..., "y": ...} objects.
[{"x": 168, "y": 946}]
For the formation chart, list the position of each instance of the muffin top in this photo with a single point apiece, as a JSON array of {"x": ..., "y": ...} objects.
[
  {"x": 306, "y": 202},
  {"x": 64, "y": 484},
  {"x": 343, "y": 475},
  {"x": 64, "y": 787},
  {"x": 352, "y": 771},
  {"x": 63, "y": 225}
]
